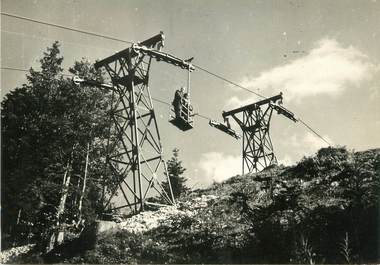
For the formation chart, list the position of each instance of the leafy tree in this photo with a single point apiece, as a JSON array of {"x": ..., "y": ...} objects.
[
  {"x": 175, "y": 171},
  {"x": 48, "y": 127},
  {"x": 339, "y": 196}
]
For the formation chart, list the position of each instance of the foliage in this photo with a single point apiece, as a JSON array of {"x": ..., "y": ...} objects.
[
  {"x": 175, "y": 171},
  {"x": 322, "y": 210},
  {"x": 46, "y": 126},
  {"x": 304, "y": 252},
  {"x": 345, "y": 249},
  {"x": 301, "y": 214}
]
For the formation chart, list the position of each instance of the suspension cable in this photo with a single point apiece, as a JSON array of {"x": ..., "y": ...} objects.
[
  {"x": 257, "y": 94},
  {"x": 120, "y": 40},
  {"x": 203, "y": 116},
  {"x": 14, "y": 69},
  {"x": 311, "y": 129},
  {"x": 129, "y": 42},
  {"x": 25, "y": 70},
  {"x": 197, "y": 114},
  {"x": 228, "y": 81},
  {"x": 71, "y": 75},
  {"x": 161, "y": 101},
  {"x": 65, "y": 27}
]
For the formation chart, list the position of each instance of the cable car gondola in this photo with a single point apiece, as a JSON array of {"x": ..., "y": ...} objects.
[{"x": 183, "y": 111}]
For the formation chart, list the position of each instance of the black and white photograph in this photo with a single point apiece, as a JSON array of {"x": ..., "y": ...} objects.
[{"x": 190, "y": 132}]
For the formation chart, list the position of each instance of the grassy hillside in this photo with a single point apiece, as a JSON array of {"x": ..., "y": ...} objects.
[{"x": 325, "y": 209}]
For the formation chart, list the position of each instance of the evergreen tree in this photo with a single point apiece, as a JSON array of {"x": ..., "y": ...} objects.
[{"x": 175, "y": 171}]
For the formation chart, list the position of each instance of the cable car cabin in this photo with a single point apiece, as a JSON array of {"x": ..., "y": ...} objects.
[{"x": 183, "y": 114}]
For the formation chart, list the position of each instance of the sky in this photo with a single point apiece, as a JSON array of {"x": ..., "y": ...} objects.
[{"x": 323, "y": 55}]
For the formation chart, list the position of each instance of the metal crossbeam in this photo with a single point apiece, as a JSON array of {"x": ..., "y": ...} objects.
[
  {"x": 162, "y": 56},
  {"x": 253, "y": 106}
]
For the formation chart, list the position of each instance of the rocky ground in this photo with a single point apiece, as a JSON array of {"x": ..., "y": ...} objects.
[
  {"x": 12, "y": 253},
  {"x": 149, "y": 220}
]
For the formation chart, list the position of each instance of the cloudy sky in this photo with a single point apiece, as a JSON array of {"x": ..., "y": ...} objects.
[{"x": 323, "y": 55}]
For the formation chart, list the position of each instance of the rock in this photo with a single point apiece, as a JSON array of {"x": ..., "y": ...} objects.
[{"x": 10, "y": 254}]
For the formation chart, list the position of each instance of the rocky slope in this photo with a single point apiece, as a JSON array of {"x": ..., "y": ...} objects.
[
  {"x": 324, "y": 210},
  {"x": 12, "y": 253}
]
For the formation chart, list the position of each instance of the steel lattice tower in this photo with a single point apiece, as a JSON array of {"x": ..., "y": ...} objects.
[
  {"x": 255, "y": 123},
  {"x": 135, "y": 151}
]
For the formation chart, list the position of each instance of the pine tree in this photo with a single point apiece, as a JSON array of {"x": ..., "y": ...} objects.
[{"x": 175, "y": 171}]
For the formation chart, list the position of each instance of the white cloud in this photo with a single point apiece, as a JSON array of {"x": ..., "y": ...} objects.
[
  {"x": 219, "y": 167},
  {"x": 298, "y": 146},
  {"x": 286, "y": 160},
  {"x": 327, "y": 69},
  {"x": 308, "y": 143},
  {"x": 375, "y": 89},
  {"x": 375, "y": 93},
  {"x": 235, "y": 102},
  {"x": 216, "y": 166},
  {"x": 313, "y": 142}
]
